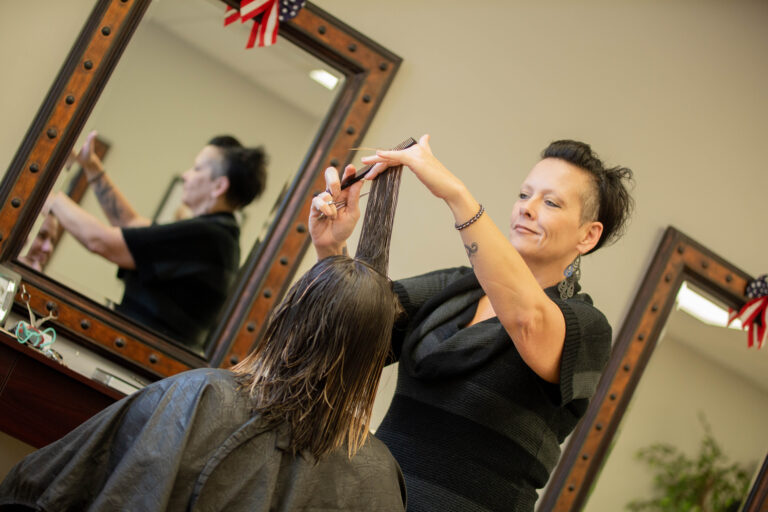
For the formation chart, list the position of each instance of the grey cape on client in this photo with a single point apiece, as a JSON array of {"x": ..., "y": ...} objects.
[{"x": 189, "y": 442}]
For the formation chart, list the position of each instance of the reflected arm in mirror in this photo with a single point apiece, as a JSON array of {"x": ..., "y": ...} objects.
[
  {"x": 116, "y": 207},
  {"x": 106, "y": 241}
]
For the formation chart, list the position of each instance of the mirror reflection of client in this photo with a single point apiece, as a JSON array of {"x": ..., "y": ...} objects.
[
  {"x": 497, "y": 362},
  {"x": 286, "y": 429},
  {"x": 42, "y": 244},
  {"x": 177, "y": 275}
]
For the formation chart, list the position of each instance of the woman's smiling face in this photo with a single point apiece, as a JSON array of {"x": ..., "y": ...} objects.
[{"x": 546, "y": 226}]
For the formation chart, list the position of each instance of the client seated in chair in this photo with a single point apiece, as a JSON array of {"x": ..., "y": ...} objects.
[{"x": 286, "y": 429}]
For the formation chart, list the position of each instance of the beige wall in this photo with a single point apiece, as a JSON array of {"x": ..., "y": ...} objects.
[
  {"x": 675, "y": 90},
  {"x": 32, "y": 48}
]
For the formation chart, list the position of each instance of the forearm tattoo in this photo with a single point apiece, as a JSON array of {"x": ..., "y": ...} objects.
[
  {"x": 109, "y": 201},
  {"x": 471, "y": 249}
]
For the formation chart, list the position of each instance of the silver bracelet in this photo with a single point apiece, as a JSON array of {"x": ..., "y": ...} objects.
[{"x": 470, "y": 221}]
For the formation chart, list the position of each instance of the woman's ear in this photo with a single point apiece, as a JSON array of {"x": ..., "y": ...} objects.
[
  {"x": 590, "y": 237},
  {"x": 220, "y": 186}
]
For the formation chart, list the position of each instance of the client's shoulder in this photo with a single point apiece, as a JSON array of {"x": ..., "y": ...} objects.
[{"x": 213, "y": 383}]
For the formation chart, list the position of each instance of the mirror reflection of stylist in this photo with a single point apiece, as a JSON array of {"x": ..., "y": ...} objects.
[
  {"x": 176, "y": 275},
  {"x": 498, "y": 361}
]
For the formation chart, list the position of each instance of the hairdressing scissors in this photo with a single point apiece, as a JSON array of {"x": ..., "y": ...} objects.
[{"x": 339, "y": 205}]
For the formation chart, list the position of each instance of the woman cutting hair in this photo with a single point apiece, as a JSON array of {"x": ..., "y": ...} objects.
[
  {"x": 285, "y": 430},
  {"x": 497, "y": 361}
]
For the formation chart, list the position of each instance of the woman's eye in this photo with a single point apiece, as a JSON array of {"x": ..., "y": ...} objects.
[
  {"x": 522, "y": 195},
  {"x": 549, "y": 202}
]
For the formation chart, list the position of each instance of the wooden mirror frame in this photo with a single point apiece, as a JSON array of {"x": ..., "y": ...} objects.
[
  {"x": 368, "y": 69},
  {"x": 678, "y": 258}
]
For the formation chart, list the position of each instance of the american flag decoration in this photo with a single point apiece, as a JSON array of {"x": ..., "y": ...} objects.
[
  {"x": 266, "y": 18},
  {"x": 754, "y": 314}
]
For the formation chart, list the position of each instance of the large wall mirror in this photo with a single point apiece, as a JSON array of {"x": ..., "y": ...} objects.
[
  {"x": 182, "y": 78},
  {"x": 698, "y": 376}
]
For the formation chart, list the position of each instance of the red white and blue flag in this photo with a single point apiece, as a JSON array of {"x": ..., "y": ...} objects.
[
  {"x": 266, "y": 18},
  {"x": 754, "y": 314}
]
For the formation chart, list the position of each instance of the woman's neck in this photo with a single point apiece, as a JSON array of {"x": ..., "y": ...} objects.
[
  {"x": 219, "y": 206},
  {"x": 547, "y": 273}
]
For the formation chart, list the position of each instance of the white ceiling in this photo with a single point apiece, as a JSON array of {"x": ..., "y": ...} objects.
[{"x": 281, "y": 69}]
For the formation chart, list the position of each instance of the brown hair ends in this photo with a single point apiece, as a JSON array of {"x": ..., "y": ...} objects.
[{"x": 318, "y": 366}]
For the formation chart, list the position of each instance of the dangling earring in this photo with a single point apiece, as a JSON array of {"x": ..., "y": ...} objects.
[{"x": 572, "y": 274}]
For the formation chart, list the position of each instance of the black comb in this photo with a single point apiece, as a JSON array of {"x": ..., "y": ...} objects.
[{"x": 410, "y": 141}]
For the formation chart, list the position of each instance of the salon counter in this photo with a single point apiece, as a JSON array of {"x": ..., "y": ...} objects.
[{"x": 42, "y": 400}]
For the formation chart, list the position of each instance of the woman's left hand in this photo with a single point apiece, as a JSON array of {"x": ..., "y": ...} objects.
[{"x": 419, "y": 159}]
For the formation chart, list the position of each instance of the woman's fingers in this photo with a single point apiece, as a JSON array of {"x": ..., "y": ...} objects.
[
  {"x": 323, "y": 203},
  {"x": 88, "y": 147},
  {"x": 380, "y": 165},
  {"x": 332, "y": 184},
  {"x": 349, "y": 172},
  {"x": 353, "y": 192},
  {"x": 353, "y": 198}
]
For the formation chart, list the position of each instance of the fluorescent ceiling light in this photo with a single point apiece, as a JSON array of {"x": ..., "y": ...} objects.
[
  {"x": 703, "y": 308},
  {"x": 324, "y": 78}
]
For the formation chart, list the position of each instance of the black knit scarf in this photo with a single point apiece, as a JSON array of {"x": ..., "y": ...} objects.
[{"x": 439, "y": 345}]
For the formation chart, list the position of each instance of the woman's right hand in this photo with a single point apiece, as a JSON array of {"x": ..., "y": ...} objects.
[
  {"x": 330, "y": 231},
  {"x": 428, "y": 169}
]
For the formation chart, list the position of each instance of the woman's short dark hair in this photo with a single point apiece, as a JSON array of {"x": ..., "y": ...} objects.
[
  {"x": 244, "y": 167},
  {"x": 225, "y": 141},
  {"x": 609, "y": 202}
]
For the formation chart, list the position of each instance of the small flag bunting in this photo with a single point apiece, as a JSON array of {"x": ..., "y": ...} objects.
[
  {"x": 754, "y": 314},
  {"x": 266, "y": 18}
]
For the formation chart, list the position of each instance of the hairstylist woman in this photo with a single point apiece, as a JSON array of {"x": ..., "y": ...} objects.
[{"x": 498, "y": 361}]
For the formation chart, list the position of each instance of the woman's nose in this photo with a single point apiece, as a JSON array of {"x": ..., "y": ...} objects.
[{"x": 527, "y": 210}]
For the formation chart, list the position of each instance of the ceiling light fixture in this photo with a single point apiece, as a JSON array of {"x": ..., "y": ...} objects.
[
  {"x": 324, "y": 78},
  {"x": 703, "y": 308}
]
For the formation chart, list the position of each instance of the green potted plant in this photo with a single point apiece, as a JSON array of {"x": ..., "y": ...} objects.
[{"x": 704, "y": 483}]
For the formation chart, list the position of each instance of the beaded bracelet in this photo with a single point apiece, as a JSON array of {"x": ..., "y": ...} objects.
[{"x": 470, "y": 221}]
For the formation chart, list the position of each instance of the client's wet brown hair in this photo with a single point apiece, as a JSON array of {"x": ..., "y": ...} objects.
[{"x": 318, "y": 366}]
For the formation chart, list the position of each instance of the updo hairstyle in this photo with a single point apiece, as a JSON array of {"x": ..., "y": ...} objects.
[
  {"x": 609, "y": 201},
  {"x": 244, "y": 167}
]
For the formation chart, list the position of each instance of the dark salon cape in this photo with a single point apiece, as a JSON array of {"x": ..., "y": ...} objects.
[{"x": 189, "y": 443}]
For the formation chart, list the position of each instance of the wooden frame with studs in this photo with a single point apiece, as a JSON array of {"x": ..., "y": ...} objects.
[
  {"x": 677, "y": 258},
  {"x": 368, "y": 69}
]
